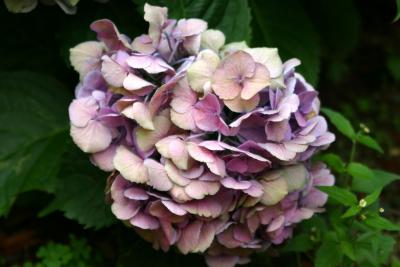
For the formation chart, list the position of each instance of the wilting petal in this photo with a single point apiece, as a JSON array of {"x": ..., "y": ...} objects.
[
  {"x": 109, "y": 35},
  {"x": 139, "y": 112},
  {"x": 92, "y": 138},
  {"x": 200, "y": 72},
  {"x": 156, "y": 17},
  {"x": 212, "y": 39},
  {"x": 158, "y": 177},
  {"x": 86, "y": 57},
  {"x": 130, "y": 166}
]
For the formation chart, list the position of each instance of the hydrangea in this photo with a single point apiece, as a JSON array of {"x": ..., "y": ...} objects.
[{"x": 208, "y": 144}]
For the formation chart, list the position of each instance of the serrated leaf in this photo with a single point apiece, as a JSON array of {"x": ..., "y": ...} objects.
[
  {"x": 380, "y": 223},
  {"x": 294, "y": 36},
  {"x": 232, "y": 17},
  {"x": 342, "y": 124},
  {"x": 341, "y": 195},
  {"x": 334, "y": 161},
  {"x": 80, "y": 192},
  {"x": 352, "y": 211},
  {"x": 380, "y": 180},
  {"x": 328, "y": 255},
  {"x": 360, "y": 170},
  {"x": 368, "y": 141},
  {"x": 33, "y": 130}
]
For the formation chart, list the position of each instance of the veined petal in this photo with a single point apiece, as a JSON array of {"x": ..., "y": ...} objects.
[
  {"x": 92, "y": 138},
  {"x": 130, "y": 166}
]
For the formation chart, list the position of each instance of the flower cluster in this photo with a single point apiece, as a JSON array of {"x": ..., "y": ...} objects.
[{"x": 208, "y": 143}]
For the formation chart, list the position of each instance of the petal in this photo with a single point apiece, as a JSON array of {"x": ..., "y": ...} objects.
[
  {"x": 125, "y": 211},
  {"x": 184, "y": 121},
  {"x": 93, "y": 138},
  {"x": 201, "y": 71},
  {"x": 109, "y": 35},
  {"x": 274, "y": 191},
  {"x": 174, "y": 174},
  {"x": 279, "y": 151},
  {"x": 82, "y": 110},
  {"x": 189, "y": 27},
  {"x": 143, "y": 44},
  {"x": 189, "y": 237},
  {"x": 133, "y": 82},
  {"x": 256, "y": 83},
  {"x": 104, "y": 159},
  {"x": 158, "y": 177},
  {"x": 212, "y": 39},
  {"x": 136, "y": 193},
  {"x": 232, "y": 183},
  {"x": 222, "y": 260},
  {"x": 130, "y": 166},
  {"x": 156, "y": 17},
  {"x": 199, "y": 153},
  {"x": 139, "y": 112},
  {"x": 200, "y": 189},
  {"x": 146, "y": 139},
  {"x": 268, "y": 57},
  {"x": 112, "y": 72},
  {"x": 174, "y": 208},
  {"x": 86, "y": 57},
  {"x": 240, "y": 105},
  {"x": 145, "y": 221}
]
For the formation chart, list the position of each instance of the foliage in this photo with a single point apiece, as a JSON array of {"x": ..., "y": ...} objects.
[{"x": 77, "y": 253}]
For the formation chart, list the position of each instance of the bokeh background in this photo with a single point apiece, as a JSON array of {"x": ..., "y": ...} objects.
[{"x": 350, "y": 51}]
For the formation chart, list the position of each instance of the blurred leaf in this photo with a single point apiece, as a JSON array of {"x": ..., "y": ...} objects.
[
  {"x": 299, "y": 243},
  {"x": 398, "y": 11},
  {"x": 352, "y": 211},
  {"x": 379, "y": 180},
  {"x": 341, "y": 195},
  {"x": 368, "y": 141},
  {"x": 334, "y": 161},
  {"x": 340, "y": 122},
  {"x": 393, "y": 65},
  {"x": 80, "y": 192},
  {"x": 20, "y": 6},
  {"x": 359, "y": 170},
  {"x": 373, "y": 197},
  {"x": 380, "y": 223},
  {"x": 230, "y": 16},
  {"x": 294, "y": 36},
  {"x": 33, "y": 127},
  {"x": 328, "y": 255},
  {"x": 348, "y": 249}
]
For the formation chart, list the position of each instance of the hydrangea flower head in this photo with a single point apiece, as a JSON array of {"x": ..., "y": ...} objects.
[{"x": 209, "y": 144}]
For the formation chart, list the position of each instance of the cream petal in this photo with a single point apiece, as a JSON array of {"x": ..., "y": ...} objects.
[
  {"x": 274, "y": 191},
  {"x": 184, "y": 121},
  {"x": 146, "y": 139},
  {"x": 93, "y": 138},
  {"x": 139, "y": 112},
  {"x": 82, "y": 110},
  {"x": 269, "y": 57},
  {"x": 158, "y": 177},
  {"x": 86, "y": 57},
  {"x": 200, "y": 189},
  {"x": 133, "y": 82},
  {"x": 256, "y": 83},
  {"x": 201, "y": 71},
  {"x": 130, "y": 166},
  {"x": 112, "y": 72},
  {"x": 240, "y": 105},
  {"x": 212, "y": 39}
]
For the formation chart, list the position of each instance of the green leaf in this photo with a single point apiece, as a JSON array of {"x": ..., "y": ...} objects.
[
  {"x": 373, "y": 197},
  {"x": 348, "y": 249},
  {"x": 359, "y": 170},
  {"x": 20, "y": 6},
  {"x": 368, "y": 141},
  {"x": 80, "y": 192},
  {"x": 341, "y": 195},
  {"x": 230, "y": 16},
  {"x": 294, "y": 36},
  {"x": 380, "y": 180},
  {"x": 352, "y": 211},
  {"x": 299, "y": 243},
  {"x": 342, "y": 124},
  {"x": 334, "y": 161},
  {"x": 329, "y": 254},
  {"x": 380, "y": 223},
  {"x": 33, "y": 128}
]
